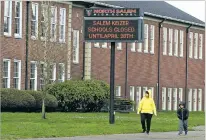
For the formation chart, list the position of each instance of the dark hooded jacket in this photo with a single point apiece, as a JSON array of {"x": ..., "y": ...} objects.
[{"x": 182, "y": 113}]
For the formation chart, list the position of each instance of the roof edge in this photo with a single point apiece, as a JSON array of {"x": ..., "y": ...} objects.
[{"x": 154, "y": 15}]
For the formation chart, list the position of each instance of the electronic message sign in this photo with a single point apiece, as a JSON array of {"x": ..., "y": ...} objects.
[{"x": 113, "y": 25}]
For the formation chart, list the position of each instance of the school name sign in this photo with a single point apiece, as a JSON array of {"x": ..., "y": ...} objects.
[{"x": 113, "y": 25}]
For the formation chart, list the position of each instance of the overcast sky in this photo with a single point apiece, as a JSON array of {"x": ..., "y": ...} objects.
[{"x": 194, "y": 8}]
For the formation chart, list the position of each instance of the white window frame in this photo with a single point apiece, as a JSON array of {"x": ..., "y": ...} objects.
[
  {"x": 96, "y": 44},
  {"x": 164, "y": 90},
  {"x": 174, "y": 98},
  {"x": 62, "y": 22},
  {"x": 36, "y": 6},
  {"x": 139, "y": 47},
  {"x": 62, "y": 77},
  {"x": 170, "y": 41},
  {"x": 133, "y": 47},
  {"x": 18, "y": 35},
  {"x": 41, "y": 79},
  {"x": 45, "y": 21},
  {"x": 53, "y": 73},
  {"x": 76, "y": 46},
  {"x": 118, "y": 91},
  {"x": 152, "y": 91},
  {"x": 196, "y": 46},
  {"x": 191, "y": 45},
  {"x": 169, "y": 91},
  {"x": 181, "y": 43},
  {"x": 194, "y": 99},
  {"x": 180, "y": 94},
  {"x": 145, "y": 38},
  {"x": 53, "y": 22},
  {"x": 19, "y": 73},
  {"x": 199, "y": 100},
  {"x": 176, "y": 43},
  {"x": 104, "y": 45},
  {"x": 139, "y": 90},
  {"x": 131, "y": 93},
  {"x": 8, "y": 16},
  {"x": 9, "y": 72},
  {"x": 152, "y": 38},
  {"x": 164, "y": 41},
  {"x": 35, "y": 77},
  {"x": 119, "y": 46},
  {"x": 200, "y": 45}
]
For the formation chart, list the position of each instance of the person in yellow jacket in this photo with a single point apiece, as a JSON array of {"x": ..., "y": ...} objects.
[{"x": 146, "y": 108}]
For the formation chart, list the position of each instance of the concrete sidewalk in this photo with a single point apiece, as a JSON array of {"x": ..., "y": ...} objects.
[{"x": 199, "y": 134}]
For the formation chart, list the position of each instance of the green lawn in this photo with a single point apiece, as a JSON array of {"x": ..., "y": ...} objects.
[{"x": 28, "y": 125}]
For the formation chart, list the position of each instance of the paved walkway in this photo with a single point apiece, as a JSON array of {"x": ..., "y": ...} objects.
[{"x": 198, "y": 134}]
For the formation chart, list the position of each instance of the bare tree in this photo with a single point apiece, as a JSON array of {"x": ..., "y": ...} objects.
[{"x": 49, "y": 48}]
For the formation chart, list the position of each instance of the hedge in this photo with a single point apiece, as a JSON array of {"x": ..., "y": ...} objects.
[
  {"x": 78, "y": 95},
  {"x": 50, "y": 101},
  {"x": 26, "y": 101},
  {"x": 16, "y": 100}
]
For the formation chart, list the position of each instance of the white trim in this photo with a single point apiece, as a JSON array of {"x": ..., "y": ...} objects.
[
  {"x": 9, "y": 72},
  {"x": 174, "y": 98},
  {"x": 20, "y": 21},
  {"x": 96, "y": 45},
  {"x": 133, "y": 47},
  {"x": 164, "y": 98},
  {"x": 10, "y": 18},
  {"x": 164, "y": 41},
  {"x": 62, "y": 10},
  {"x": 170, "y": 42},
  {"x": 176, "y": 43},
  {"x": 35, "y": 72},
  {"x": 19, "y": 73},
  {"x": 145, "y": 38},
  {"x": 191, "y": 45},
  {"x": 181, "y": 43},
  {"x": 76, "y": 46},
  {"x": 196, "y": 46},
  {"x": 180, "y": 94},
  {"x": 152, "y": 38},
  {"x": 139, "y": 45},
  {"x": 200, "y": 45},
  {"x": 118, "y": 91},
  {"x": 131, "y": 93},
  {"x": 53, "y": 39},
  {"x": 104, "y": 45},
  {"x": 119, "y": 46},
  {"x": 36, "y": 6}
]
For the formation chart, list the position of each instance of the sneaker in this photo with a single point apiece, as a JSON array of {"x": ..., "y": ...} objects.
[
  {"x": 185, "y": 132},
  {"x": 143, "y": 131},
  {"x": 179, "y": 133},
  {"x": 147, "y": 133}
]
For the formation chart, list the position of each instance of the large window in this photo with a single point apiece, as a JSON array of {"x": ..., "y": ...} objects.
[
  {"x": 61, "y": 72},
  {"x": 42, "y": 75},
  {"x": 75, "y": 46},
  {"x": 62, "y": 25},
  {"x": 170, "y": 41},
  {"x": 200, "y": 45},
  {"x": 44, "y": 20},
  {"x": 191, "y": 45},
  {"x": 196, "y": 45},
  {"x": 17, "y": 74},
  {"x": 164, "y": 41},
  {"x": 53, "y": 23},
  {"x": 34, "y": 21},
  {"x": 146, "y": 38},
  {"x": 152, "y": 35},
  {"x": 181, "y": 42},
  {"x": 176, "y": 43},
  {"x": 7, "y": 17},
  {"x": 6, "y": 73},
  {"x": 118, "y": 91},
  {"x": 18, "y": 19},
  {"x": 33, "y": 76},
  {"x": 52, "y": 73}
]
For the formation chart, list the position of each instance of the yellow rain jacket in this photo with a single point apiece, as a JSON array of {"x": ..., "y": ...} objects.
[{"x": 147, "y": 105}]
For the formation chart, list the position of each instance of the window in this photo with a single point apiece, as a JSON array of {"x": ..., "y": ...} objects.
[
  {"x": 6, "y": 73},
  {"x": 44, "y": 20},
  {"x": 7, "y": 17},
  {"x": 139, "y": 47},
  {"x": 75, "y": 46},
  {"x": 199, "y": 99},
  {"x": 144, "y": 90},
  {"x": 181, "y": 43},
  {"x": 164, "y": 41},
  {"x": 174, "y": 98},
  {"x": 196, "y": 45},
  {"x": 34, "y": 21},
  {"x": 53, "y": 73},
  {"x": 191, "y": 45},
  {"x": 18, "y": 19},
  {"x": 138, "y": 95},
  {"x": 152, "y": 91},
  {"x": 17, "y": 74},
  {"x": 169, "y": 100},
  {"x": 42, "y": 75},
  {"x": 61, "y": 72},
  {"x": 152, "y": 33},
  {"x": 62, "y": 24},
  {"x": 200, "y": 45},
  {"x": 118, "y": 91},
  {"x": 132, "y": 93},
  {"x": 133, "y": 49},
  {"x": 180, "y": 94},
  {"x": 53, "y": 23},
  {"x": 170, "y": 41},
  {"x": 119, "y": 46},
  {"x": 33, "y": 76},
  {"x": 164, "y": 93},
  {"x": 146, "y": 38},
  {"x": 104, "y": 45},
  {"x": 176, "y": 43},
  {"x": 96, "y": 45}
]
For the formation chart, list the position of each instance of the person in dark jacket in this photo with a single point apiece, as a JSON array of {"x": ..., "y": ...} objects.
[{"x": 182, "y": 114}]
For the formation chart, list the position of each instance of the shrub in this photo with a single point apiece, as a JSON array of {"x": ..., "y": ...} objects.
[
  {"x": 16, "y": 100},
  {"x": 80, "y": 95},
  {"x": 50, "y": 101}
]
